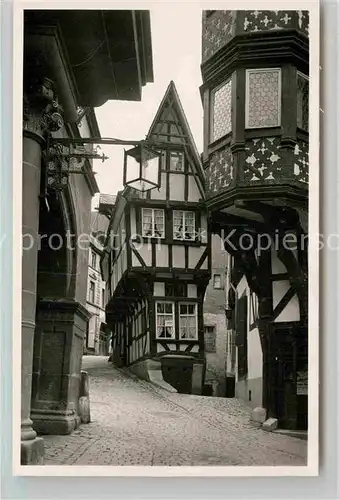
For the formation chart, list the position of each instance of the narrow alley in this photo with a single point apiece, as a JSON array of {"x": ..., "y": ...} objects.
[{"x": 133, "y": 422}]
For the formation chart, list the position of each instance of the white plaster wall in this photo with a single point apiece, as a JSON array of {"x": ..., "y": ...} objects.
[
  {"x": 291, "y": 311},
  {"x": 161, "y": 253},
  {"x": 145, "y": 252},
  {"x": 193, "y": 191},
  {"x": 242, "y": 286},
  {"x": 177, "y": 187},
  {"x": 216, "y": 362},
  {"x": 254, "y": 354},
  {"x": 178, "y": 256},
  {"x": 194, "y": 254},
  {"x": 160, "y": 194}
]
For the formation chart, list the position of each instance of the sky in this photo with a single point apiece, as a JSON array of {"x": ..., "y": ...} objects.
[{"x": 176, "y": 45}]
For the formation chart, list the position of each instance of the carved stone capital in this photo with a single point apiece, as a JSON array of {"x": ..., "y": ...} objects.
[{"x": 42, "y": 113}]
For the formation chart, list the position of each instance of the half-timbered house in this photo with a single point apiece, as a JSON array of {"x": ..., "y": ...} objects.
[
  {"x": 255, "y": 68},
  {"x": 157, "y": 261}
]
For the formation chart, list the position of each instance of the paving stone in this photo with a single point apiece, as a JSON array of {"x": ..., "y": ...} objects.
[
  {"x": 134, "y": 422},
  {"x": 270, "y": 424}
]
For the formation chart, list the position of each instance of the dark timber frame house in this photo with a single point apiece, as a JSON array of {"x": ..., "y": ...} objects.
[
  {"x": 255, "y": 67},
  {"x": 157, "y": 261}
]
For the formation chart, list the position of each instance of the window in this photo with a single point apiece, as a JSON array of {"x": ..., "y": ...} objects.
[
  {"x": 94, "y": 260},
  {"x": 176, "y": 161},
  {"x": 91, "y": 294},
  {"x": 217, "y": 281},
  {"x": 165, "y": 320},
  {"x": 175, "y": 290},
  {"x": 103, "y": 297},
  {"x": 188, "y": 322},
  {"x": 209, "y": 338},
  {"x": 221, "y": 114},
  {"x": 153, "y": 223},
  {"x": 263, "y": 98},
  {"x": 183, "y": 225},
  {"x": 302, "y": 101}
]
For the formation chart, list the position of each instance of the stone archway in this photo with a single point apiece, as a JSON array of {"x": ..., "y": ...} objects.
[
  {"x": 57, "y": 254},
  {"x": 60, "y": 322}
]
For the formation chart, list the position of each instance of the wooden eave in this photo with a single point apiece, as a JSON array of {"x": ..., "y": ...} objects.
[
  {"x": 108, "y": 52},
  {"x": 253, "y": 50}
]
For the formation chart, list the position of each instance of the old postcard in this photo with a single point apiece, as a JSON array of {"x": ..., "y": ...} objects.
[{"x": 167, "y": 238}]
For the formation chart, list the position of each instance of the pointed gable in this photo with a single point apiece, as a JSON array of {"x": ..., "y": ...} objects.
[{"x": 170, "y": 125}]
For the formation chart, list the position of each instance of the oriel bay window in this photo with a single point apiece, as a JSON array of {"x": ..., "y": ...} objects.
[
  {"x": 183, "y": 225},
  {"x": 165, "y": 320},
  {"x": 176, "y": 161},
  {"x": 221, "y": 111},
  {"x": 153, "y": 223},
  {"x": 263, "y": 98}
]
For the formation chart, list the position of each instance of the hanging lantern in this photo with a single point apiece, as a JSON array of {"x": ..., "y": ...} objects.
[{"x": 142, "y": 168}]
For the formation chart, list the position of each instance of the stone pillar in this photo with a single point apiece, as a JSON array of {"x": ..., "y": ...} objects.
[
  {"x": 39, "y": 107},
  {"x": 59, "y": 338},
  {"x": 31, "y": 446}
]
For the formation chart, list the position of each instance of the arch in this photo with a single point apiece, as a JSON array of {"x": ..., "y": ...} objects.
[{"x": 57, "y": 249}]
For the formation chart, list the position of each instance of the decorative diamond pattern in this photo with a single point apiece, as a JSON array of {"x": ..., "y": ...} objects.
[
  {"x": 219, "y": 174},
  {"x": 218, "y": 29},
  {"x": 302, "y": 101},
  {"x": 264, "y": 20},
  {"x": 301, "y": 161},
  {"x": 222, "y": 111},
  {"x": 264, "y": 160},
  {"x": 303, "y": 21},
  {"x": 263, "y": 99}
]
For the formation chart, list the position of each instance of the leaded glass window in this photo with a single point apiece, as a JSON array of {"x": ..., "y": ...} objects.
[
  {"x": 165, "y": 320},
  {"x": 183, "y": 225},
  {"x": 188, "y": 322},
  {"x": 221, "y": 118},
  {"x": 153, "y": 223},
  {"x": 176, "y": 161},
  {"x": 302, "y": 101},
  {"x": 263, "y": 98}
]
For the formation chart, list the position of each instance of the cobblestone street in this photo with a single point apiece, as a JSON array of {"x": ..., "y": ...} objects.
[{"x": 137, "y": 423}]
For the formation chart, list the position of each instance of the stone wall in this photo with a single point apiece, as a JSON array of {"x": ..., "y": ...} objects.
[{"x": 214, "y": 315}]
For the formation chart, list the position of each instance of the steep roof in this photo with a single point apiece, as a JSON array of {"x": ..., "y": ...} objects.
[
  {"x": 106, "y": 204},
  {"x": 99, "y": 222},
  {"x": 171, "y": 122}
]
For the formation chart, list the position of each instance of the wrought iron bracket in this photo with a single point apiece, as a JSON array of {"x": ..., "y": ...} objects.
[{"x": 65, "y": 156}]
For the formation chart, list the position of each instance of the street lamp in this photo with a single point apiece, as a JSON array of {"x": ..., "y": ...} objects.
[
  {"x": 141, "y": 168},
  {"x": 67, "y": 156}
]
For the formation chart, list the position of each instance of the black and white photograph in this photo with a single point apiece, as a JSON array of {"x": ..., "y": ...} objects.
[{"x": 169, "y": 305}]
